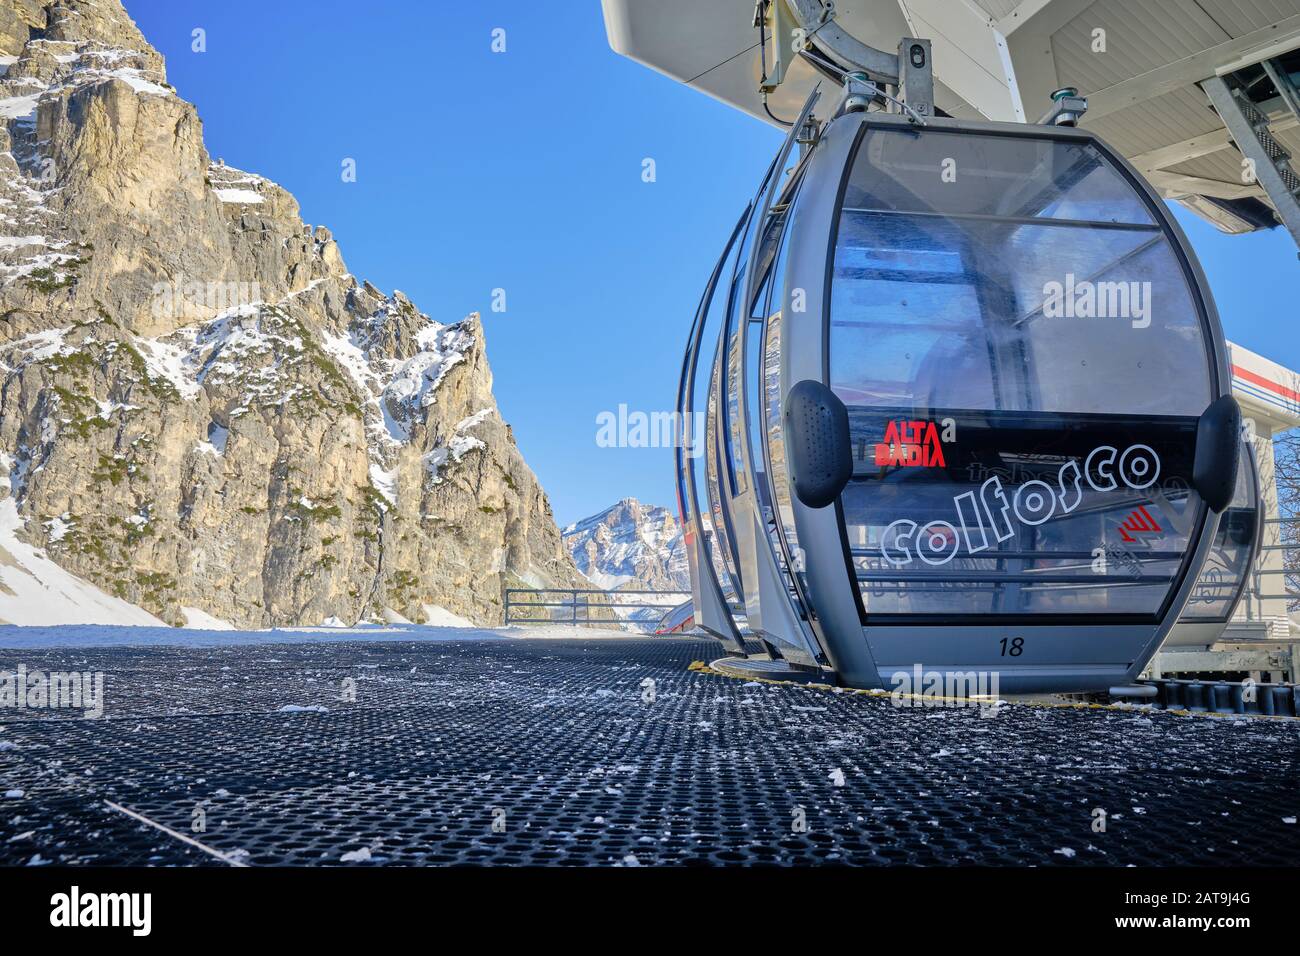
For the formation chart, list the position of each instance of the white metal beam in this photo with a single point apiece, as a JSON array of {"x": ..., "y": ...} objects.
[
  {"x": 970, "y": 55},
  {"x": 1192, "y": 69},
  {"x": 1028, "y": 30},
  {"x": 1175, "y": 153},
  {"x": 1183, "y": 185},
  {"x": 1211, "y": 142},
  {"x": 1041, "y": 17}
]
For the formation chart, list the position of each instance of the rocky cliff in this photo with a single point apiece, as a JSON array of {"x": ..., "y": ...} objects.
[{"x": 200, "y": 406}]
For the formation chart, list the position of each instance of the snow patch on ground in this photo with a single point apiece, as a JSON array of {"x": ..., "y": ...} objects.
[
  {"x": 35, "y": 591},
  {"x": 93, "y": 635},
  {"x": 203, "y": 621},
  {"x": 436, "y": 616}
]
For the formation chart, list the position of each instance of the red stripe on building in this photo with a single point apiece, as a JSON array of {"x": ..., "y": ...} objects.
[{"x": 1260, "y": 380}]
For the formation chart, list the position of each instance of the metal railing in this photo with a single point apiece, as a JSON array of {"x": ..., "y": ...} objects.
[
  {"x": 575, "y": 605},
  {"x": 1255, "y": 590}
]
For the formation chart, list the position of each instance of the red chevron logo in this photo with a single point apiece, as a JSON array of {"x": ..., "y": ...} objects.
[{"x": 1139, "y": 522}]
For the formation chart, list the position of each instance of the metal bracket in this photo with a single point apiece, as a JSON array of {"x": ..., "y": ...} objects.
[
  {"x": 916, "y": 76},
  {"x": 859, "y": 93},
  {"x": 867, "y": 73},
  {"x": 777, "y": 16},
  {"x": 808, "y": 134},
  {"x": 1067, "y": 109}
]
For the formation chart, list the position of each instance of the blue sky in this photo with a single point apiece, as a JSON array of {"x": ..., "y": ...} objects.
[{"x": 522, "y": 171}]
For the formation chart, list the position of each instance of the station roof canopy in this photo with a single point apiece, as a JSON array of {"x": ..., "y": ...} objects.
[
  {"x": 1268, "y": 392},
  {"x": 1139, "y": 62}
]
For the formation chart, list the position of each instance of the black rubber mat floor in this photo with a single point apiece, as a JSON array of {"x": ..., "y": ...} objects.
[{"x": 609, "y": 752}]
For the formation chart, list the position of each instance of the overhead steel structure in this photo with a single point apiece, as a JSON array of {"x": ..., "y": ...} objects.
[
  {"x": 966, "y": 397},
  {"x": 1199, "y": 95}
]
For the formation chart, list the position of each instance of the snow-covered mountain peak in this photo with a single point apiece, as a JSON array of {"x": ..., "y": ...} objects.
[{"x": 630, "y": 544}]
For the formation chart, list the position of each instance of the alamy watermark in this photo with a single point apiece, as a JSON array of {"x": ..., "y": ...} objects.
[
  {"x": 56, "y": 690},
  {"x": 636, "y": 429},
  {"x": 1086, "y": 299},
  {"x": 128, "y": 910},
  {"x": 931, "y": 688}
]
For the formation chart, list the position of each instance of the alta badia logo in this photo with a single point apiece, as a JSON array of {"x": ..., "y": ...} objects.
[{"x": 915, "y": 444}]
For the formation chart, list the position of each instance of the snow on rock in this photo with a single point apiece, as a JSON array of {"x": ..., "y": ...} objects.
[
  {"x": 58, "y": 527},
  {"x": 385, "y": 482},
  {"x": 397, "y": 392},
  {"x": 457, "y": 448},
  {"x": 166, "y": 360},
  {"x": 480, "y": 416},
  {"x": 46, "y": 73},
  {"x": 135, "y": 80},
  {"x": 34, "y": 590},
  {"x": 414, "y": 381},
  {"x": 244, "y": 196},
  {"x": 36, "y": 347},
  {"x": 17, "y": 107}
]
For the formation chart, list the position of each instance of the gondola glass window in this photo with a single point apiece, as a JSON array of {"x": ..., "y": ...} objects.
[
  {"x": 1023, "y": 362},
  {"x": 1224, "y": 577}
]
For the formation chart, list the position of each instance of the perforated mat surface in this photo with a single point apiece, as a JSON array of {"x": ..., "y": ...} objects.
[{"x": 530, "y": 752}]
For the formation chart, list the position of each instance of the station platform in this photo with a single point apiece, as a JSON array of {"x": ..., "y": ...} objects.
[{"x": 608, "y": 752}]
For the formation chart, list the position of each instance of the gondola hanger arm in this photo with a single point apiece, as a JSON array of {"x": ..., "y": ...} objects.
[
  {"x": 869, "y": 75},
  {"x": 817, "y": 19}
]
